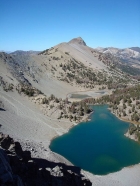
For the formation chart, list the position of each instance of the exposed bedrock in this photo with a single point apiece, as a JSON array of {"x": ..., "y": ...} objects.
[{"x": 17, "y": 168}]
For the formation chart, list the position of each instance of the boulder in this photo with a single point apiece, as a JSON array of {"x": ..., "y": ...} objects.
[
  {"x": 18, "y": 149},
  {"x": 6, "y": 141},
  {"x": 56, "y": 171}
]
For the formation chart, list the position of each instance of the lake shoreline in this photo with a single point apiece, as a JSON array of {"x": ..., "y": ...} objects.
[
  {"x": 132, "y": 137},
  {"x": 125, "y": 126},
  {"x": 128, "y": 170},
  {"x": 86, "y": 119}
]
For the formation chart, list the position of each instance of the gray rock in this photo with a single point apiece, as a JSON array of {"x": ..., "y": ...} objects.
[
  {"x": 56, "y": 171},
  {"x": 6, "y": 141}
]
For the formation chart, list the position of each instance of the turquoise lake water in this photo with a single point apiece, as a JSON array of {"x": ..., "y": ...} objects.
[{"x": 98, "y": 146}]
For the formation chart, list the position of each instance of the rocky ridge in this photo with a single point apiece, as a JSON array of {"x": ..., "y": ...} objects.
[{"x": 18, "y": 168}]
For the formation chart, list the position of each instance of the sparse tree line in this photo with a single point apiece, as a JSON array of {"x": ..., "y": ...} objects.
[
  {"x": 72, "y": 111},
  {"x": 5, "y": 85},
  {"x": 116, "y": 63},
  {"x": 28, "y": 90},
  {"x": 77, "y": 72},
  {"x": 73, "y": 71},
  {"x": 123, "y": 102}
]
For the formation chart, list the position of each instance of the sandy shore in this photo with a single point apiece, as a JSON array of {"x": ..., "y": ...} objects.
[
  {"x": 128, "y": 176},
  {"x": 23, "y": 121}
]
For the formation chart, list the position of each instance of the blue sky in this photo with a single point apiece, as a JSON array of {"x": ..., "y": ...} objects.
[{"x": 41, "y": 24}]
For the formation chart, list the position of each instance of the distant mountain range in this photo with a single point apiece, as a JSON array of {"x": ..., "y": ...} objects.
[
  {"x": 8, "y": 52},
  {"x": 21, "y": 52},
  {"x": 126, "y": 53},
  {"x": 137, "y": 49}
]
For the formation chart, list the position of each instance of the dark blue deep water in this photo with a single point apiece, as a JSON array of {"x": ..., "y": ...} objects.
[{"x": 98, "y": 146}]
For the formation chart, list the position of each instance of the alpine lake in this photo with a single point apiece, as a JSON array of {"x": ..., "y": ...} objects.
[{"x": 99, "y": 145}]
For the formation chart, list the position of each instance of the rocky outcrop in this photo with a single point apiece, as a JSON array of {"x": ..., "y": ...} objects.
[
  {"x": 78, "y": 41},
  {"x": 17, "y": 168}
]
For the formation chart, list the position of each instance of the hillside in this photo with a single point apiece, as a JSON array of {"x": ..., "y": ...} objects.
[
  {"x": 65, "y": 67},
  {"x": 84, "y": 66},
  {"x": 31, "y": 70}
]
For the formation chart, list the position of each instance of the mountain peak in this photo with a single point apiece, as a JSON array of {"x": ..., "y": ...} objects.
[{"x": 78, "y": 40}]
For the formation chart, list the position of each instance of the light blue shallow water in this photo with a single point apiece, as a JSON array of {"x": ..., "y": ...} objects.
[{"x": 98, "y": 146}]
